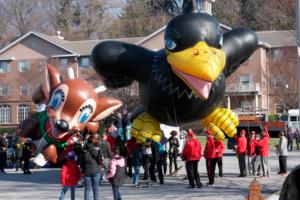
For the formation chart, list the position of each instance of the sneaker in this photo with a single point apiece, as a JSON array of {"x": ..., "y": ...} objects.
[
  {"x": 209, "y": 184},
  {"x": 191, "y": 187},
  {"x": 199, "y": 186},
  {"x": 221, "y": 175}
]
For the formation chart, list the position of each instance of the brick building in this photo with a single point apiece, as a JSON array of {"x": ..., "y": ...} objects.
[{"x": 22, "y": 63}]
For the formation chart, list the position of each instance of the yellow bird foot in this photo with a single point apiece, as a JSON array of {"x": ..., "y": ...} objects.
[
  {"x": 220, "y": 121},
  {"x": 145, "y": 128}
]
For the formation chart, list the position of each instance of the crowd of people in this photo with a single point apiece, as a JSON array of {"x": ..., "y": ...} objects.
[
  {"x": 20, "y": 155},
  {"x": 112, "y": 155}
]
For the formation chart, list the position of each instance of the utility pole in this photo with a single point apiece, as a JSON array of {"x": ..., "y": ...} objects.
[{"x": 298, "y": 47}]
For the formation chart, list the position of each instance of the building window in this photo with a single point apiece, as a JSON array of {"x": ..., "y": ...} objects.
[
  {"x": 4, "y": 90},
  {"x": 24, "y": 89},
  {"x": 23, "y": 111},
  {"x": 276, "y": 83},
  {"x": 84, "y": 62},
  {"x": 63, "y": 62},
  {"x": 23, "y": 65},
  {"x": 5, "y": 114},
  {"x": 245, "y": 79},
  {"x": 276, "y": 54},
  {"x": 4, "y": 67},
  {"x": 279, "y": 109}
]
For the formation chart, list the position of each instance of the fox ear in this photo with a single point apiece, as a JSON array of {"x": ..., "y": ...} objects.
[
  {"x": 51, "y": 79},
  {"x": 105, "y": 106}
]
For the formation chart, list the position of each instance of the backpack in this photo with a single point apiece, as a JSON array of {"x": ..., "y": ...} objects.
[{"x": 119, "y": 178}]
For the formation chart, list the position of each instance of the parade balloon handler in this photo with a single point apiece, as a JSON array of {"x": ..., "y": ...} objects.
[
  {"x": 183, "y": 82},
  {"x": 72, "y": 107},
  {"x": 69, "y": 175}
]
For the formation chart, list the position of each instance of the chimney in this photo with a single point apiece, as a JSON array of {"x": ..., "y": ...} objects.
[
  {"x": 205, "y": 6},
  {"x": 58, "y": 35}
]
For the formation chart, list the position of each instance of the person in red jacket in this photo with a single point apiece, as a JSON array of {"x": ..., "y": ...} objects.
[
  {"x": 69, "y": 176},
  {"x": 192, "y": 154},
  {"x": 241, "y": 149},
  {"x": 220, "y": 147},
  {"x": 263, "y": 143},
  {"x": 251, "y": 152},
  {"x": 210, "y": 155}
]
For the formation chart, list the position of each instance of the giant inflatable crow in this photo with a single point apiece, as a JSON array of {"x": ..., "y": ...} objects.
[{"x": 183, "y": 82}]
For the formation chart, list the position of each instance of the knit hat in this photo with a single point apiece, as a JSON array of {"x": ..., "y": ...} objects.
[
  {"x": 208, "y": 132},
  {"x": 191, "y": 133},
  {"x": 243, "y": 131}
]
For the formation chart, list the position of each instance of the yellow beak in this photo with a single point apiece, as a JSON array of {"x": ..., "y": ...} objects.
[{"x": 200, "y": 62}]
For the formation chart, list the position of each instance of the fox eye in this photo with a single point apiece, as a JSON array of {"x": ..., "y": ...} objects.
[
  {"x": 57, "y": 99},
  {"x": 85, "y": 113}
]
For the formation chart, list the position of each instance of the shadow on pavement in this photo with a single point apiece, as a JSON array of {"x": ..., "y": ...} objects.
[{"x": 42, "y": 176}]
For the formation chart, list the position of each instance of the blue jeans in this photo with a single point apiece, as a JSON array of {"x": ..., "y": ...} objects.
[
  {"x": 91, "y": 181},
  {"x": 116, "y": 193},
  {"x": 64, "y": 191},
  {"x": 136, "y": 174}
]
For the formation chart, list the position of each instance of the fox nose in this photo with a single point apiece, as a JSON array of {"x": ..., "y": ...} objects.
[{"x": 62, "y": 125}]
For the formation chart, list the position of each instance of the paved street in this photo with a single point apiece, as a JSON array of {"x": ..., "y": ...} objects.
[{"x": 45, "y": 184}]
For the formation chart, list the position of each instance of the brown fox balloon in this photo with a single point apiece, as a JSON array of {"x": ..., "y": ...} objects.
[{"x": 72, "y": 107}]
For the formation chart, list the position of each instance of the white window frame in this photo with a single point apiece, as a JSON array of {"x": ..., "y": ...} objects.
[
  {"x": 23, "y": 112},
  {"x": 6, "y": 68},
  {"x": 22, "y": 67},
  {"x": 5, "y": 114},
  {"x": 4, "y": 90},
  {"x": 24, "y": 89}
]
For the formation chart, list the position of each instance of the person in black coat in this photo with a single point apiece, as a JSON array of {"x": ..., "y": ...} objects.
[
  {"x": 26, "y": 155},
  {"x": 90, "y": 160},
  {"x": 173, "y": 150},
  {"x": 3, "y": 152}
]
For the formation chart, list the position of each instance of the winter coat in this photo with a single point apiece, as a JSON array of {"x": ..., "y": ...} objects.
[
  {"x": 192, "y": 150},
  {"x": 131, "y": 146},
  {"x": 90, "y": 159},
  {"x": 70, "y": 173},
  {"x": 241, "y": 145},
  {"x": 137, "y": 156},
  {"x": 116, "y": 172},
  {"x": 173, "y": 145},
  {"x": 105, "y": 149},
  {"x": 282, "y": 147},
  {"x": 219, "y": 149},
  {"x": 263, "y": 144},
  {"x": 251, "y": 147},
  {"x": 210, "y": 148}
]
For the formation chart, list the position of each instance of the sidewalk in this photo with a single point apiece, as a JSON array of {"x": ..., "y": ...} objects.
[{"x": 45, "y": 184}]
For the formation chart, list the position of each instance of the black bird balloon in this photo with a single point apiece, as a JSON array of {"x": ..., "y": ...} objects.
[{"x": 185, "y": 81}]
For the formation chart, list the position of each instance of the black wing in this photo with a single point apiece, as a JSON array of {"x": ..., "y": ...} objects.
[
  {"x": 238, "y": 45},
  {"x": 119, "y": 63}
]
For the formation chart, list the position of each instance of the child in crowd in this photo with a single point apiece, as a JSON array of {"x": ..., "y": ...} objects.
[
  {"x": 116, "y": 173},
  {"x": 70, "y": 175}
]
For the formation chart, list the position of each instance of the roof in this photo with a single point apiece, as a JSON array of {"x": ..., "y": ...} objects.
[
  {"x": 162, "y": 29},
  {"x": 82, "y": 48},
  {"x": 283, "y": 38}
]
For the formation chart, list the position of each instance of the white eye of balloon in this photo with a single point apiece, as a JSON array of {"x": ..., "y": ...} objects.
[
  {"x": 170, "y": 44},
  {"x": 85, "y": 113},
  {"x": 57, "y": 99}
]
